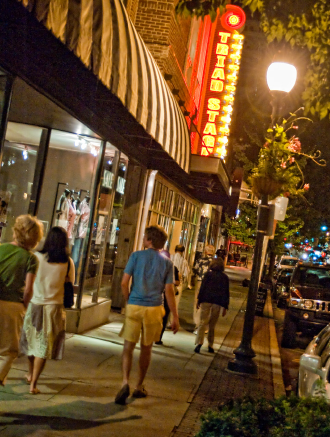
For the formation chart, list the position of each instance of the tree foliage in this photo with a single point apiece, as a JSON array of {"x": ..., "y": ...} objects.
[
  {"x": 243, "y": 227},
  {"x": 301, "y": 24}
]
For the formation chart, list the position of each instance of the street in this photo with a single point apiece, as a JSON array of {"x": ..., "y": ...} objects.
[{"x": 290, "y": 357}]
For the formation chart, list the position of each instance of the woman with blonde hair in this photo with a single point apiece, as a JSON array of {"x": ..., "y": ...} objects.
[
  {"x": 18, "y": 268},
  {"x": 43, "y": 331}
]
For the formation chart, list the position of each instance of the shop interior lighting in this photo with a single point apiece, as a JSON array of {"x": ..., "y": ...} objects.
[
  {"x": 110, "y": 162},
  {"x": 94, "y": 152}
]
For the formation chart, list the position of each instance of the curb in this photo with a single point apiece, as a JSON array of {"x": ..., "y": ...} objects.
[{"x": 275, "y": 356}]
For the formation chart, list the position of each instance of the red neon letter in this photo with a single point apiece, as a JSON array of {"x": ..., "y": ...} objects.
[
  {"x": 218, "y": 73},
  {"x": 216, "y": 85},
  {"x": 221, "y": 61},
  {"x": 224, "y": 36},
  {"x": 222, "y": 49},
  {"x": 210, "y": 129},
  {"x": 212, "y": 115},
  {"x": 214, "y": 104}
]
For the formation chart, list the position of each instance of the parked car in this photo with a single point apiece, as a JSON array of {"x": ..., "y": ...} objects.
[
  {"x": 308, "y": 306},
  {"x": 288, "y": 262},
  {"x": 282, "y": 286},
  {"x": 314, "y": 367}
]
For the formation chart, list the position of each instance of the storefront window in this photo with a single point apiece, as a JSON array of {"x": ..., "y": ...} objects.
[
  {"x": 163, "y": 198},
  {"x": 168, "y": 209},
  {"x": 66, "y": 191},
  {"x": 180, "y": 207},
  {"x": 104, "y": 244},
  {"x": 16, "y": 174},
  {"x": 175, "y": 204},
  {"x": 156, "y": 196}
]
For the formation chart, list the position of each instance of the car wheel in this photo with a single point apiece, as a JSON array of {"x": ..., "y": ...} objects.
[{"x": 289, "y": 332}]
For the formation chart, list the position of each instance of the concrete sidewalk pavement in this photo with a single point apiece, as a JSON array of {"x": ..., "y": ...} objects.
[{"x": 78, "y": 392}]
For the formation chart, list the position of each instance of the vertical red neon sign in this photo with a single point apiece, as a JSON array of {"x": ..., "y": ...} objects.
[{"x": 221, "y": 83}]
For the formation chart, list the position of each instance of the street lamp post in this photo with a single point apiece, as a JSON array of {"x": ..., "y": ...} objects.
[{"x": 281, "y": 78}]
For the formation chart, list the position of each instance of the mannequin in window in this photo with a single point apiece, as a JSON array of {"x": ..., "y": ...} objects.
[
  {"x": 77, "y": 203},
  {"x": 84, "y": 209},
  {"x": 71, "y": 216},
  {"x": 62, "y": 211}
]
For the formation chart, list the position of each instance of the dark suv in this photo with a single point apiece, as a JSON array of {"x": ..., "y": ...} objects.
[{"x": 308, "y": 307}]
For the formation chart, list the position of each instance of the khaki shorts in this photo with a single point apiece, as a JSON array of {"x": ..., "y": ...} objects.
[{"x": 145, "y": 320}]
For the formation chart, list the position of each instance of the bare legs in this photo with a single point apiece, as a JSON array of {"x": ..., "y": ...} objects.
[
  {"x": 36, "y": 366},
  {"x": 144, "y": 361},
  {"x": 127, "y": 360}
]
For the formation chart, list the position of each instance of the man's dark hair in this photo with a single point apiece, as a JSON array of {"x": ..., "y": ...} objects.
[
  {"x": 56, "y": 246},
  {"x": 179, "y": 248},
  {"x": 217, "y": 264},
  {"x": 157, "y": 235}
]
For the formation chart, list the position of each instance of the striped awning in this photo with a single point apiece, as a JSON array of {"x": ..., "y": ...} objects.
[{"x": 101, "y": 34}]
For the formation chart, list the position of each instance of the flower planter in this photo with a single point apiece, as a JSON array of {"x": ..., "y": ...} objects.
[{"x": 262, "y": 186}]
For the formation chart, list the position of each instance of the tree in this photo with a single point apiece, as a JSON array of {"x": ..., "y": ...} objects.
[
  {"x": 242, "y": 227},
  {"x": 301, "y": 24}
]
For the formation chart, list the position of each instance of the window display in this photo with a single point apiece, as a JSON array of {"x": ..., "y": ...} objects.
[
  {"x": 106, "y": 225},
  {"x": 16, "y": 174}
]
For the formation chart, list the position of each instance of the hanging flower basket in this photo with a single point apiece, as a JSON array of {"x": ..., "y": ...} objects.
[{"x": 262, "y": 186}]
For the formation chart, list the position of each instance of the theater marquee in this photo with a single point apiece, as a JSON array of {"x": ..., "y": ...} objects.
[{"x": 220, "y": 86}]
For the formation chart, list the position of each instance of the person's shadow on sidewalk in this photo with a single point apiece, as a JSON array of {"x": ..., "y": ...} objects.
[{"x": 52, "y": 420}]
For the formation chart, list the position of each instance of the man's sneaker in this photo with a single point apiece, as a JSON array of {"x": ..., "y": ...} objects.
[
  {"x": 122, "y": 395},
  {"x": 211, "y": 350},
  {"x": 140, "y": 393}
]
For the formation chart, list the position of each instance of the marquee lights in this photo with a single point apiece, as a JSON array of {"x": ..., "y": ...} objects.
[{"x": 221, "y": 83}]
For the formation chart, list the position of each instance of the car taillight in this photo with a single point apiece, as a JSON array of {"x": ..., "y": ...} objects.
[{"x": 295, "y": 293}]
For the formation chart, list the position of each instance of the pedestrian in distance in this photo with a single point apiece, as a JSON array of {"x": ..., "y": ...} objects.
[
  {"x": 18, "y": 268},
  {"x": 213, "y": 295},
  {"x": 166, "y": 307},
  {"x": 151, "y": 273},
  {"x": 43, "y": 331},
  {"x": 200, "y": 268}
]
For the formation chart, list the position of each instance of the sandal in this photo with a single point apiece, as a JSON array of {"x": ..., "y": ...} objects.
[
  {"x": 140, "y": 393},
  {"x": 34, "y": 391}
]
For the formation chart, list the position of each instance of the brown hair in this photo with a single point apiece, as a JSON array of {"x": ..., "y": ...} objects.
[
  {"x": 157, "y": 235},
  {"x": 217, "y": 264},
  {"x": 28, "y": 231},
  {"x": 179, "y": 248}
]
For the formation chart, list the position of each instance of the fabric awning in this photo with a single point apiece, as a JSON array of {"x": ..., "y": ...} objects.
[{"x": 101, "y": 35}]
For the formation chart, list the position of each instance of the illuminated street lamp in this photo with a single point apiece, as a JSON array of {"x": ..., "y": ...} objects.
[{"x": 281, "y": 78}]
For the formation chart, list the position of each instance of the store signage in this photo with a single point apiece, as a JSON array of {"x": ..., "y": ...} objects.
[{"x": 221, "y": 83}]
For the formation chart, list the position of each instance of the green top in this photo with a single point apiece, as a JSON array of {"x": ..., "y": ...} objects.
[{"x": 15, "y": 263}]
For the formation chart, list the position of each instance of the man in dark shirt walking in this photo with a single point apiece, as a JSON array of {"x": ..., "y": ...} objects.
[{"x": 213, "y": 295}]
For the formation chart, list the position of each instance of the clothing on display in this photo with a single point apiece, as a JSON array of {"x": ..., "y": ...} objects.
[
  {"x": 62, "y": 210},
  {"x": 84, "y": 217},
  {"x": 79, "y": 232},
  {"x": 71, "y": 218}
]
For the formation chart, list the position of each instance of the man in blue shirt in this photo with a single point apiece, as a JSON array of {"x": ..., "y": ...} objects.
[{"x": 151, "y": 274}]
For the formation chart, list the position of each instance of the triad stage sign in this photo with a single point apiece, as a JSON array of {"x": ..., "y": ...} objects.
[{"x": 220, "y": 84}]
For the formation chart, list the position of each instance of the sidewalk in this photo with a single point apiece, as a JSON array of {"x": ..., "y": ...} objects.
[{"x": 78, "y": 392}]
